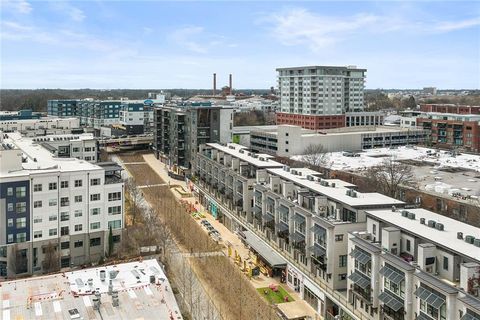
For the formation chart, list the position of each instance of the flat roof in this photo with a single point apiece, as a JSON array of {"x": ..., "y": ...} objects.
[
  {"x": 57, "y": 296},
  {"x": 446, "y": 238},
  {"x": 317, "y": 67},
  {"x": 268, "y": 254},
  {"x": 338, "y": 193},
  {"x": 234, "y": 149}
]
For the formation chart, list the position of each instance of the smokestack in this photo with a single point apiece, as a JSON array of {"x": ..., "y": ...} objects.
[
  {"x": 230, "y": 83},
  {"x": 214, "y": 83}
]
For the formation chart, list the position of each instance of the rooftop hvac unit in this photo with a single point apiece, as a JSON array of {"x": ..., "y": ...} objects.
[
  {"x": 460, "y": 235},
  {"x": 310, "y": 178},
  {"x": 333, "y": 185},
  {"x": 422, "y": 220},
  {"x": 404, "y": 213},
  {"x": 476, "y": 242},
  {"x": 469, "y": 239},
  {"x": 411, "y": 216},
  {"x": 439, "y": 226},
  {"x": 431, "y": 223},
  {"x": 394, "y": 209}
]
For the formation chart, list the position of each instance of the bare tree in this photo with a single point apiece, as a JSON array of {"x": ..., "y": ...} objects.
[
  {"x": 51, "y": 259},
  {"x": 135, "y": 199},
  {"x": 315, "y": 155},
  {"x": 389, "y": 176}
]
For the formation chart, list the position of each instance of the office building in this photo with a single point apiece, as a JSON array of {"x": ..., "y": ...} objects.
[
  {"x": 317, "y": 97},
  {"x": 180, "y": 129},
  {"x": 67, "y": 203}
]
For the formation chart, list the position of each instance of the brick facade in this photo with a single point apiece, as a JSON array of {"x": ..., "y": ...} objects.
[{"x": 312, "y": 122}]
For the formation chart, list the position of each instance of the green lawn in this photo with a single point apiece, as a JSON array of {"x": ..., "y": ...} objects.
[{"x": 275, "y": 297}]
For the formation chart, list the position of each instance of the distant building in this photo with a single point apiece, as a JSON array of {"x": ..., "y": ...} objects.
[
  {"x": 19, "y": 115},
  {"x": 317, "y": 97},
  {"x": 286, "y": 140},
  {"x": 450, "y": 108},
  {"x": 49, "y": 200},
  {"x": 180, "y": 129},
  {"x": 41, "y": 126},
  {"x": 430, "y": 91}
]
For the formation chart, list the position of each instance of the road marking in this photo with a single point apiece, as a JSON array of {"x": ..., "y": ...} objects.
[
  {"x": 38, "y": 309},
  {"x": 148, "y": 291},
  {"x": 56, "y": 307},
  {"x": 86, "y": 301}
]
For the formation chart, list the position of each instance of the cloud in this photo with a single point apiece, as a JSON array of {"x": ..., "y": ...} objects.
[
  {"x": 183, "y": 37},
  {"x": 19, "y": 6},
  {"x": 68, "y": 9},
  {"x": 448, "y": 26}
]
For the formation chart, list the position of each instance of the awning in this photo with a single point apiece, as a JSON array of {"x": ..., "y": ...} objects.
[
  {"x": 359, "y": 279},
  {"x": 267, "y": 217},
  {"x": 257, "y": 209},
  {"x": 392, "y": 274},
  {"x": 423, "y": 316},
  {"x": 297, "y": 237},
  {"x": 281, "y": 226},
  {"x": 360, "y": 256},
  {"x": 270, "y": 201},
  {"x": 299, "y": 218},
  {"x": 317, "y": 251},
  {"x": 318, "y": 230},
  {"x": 468, "y": 316},
  {"x": 283, "y": 209},
  {"x": 260, "y": 247},
  {"x": 391, "y": 301},
  {"x": 429, "y": 297}
]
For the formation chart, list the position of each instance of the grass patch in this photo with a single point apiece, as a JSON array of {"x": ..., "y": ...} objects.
[{"x": 275, "y": 297}]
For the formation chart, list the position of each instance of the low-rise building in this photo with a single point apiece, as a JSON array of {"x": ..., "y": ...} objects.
[
  {"x": 81, "y": 146},
  {"x": 41, "y": 126},
  {"x": 19, "y": 115},
  {"x": 46, "y": 200}
]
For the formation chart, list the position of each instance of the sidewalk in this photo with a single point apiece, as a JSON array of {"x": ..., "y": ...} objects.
[{"x": 234, "y": 241}]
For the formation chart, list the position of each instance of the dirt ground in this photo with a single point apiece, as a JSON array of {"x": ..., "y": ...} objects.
[{"x": 143, "y": 174}]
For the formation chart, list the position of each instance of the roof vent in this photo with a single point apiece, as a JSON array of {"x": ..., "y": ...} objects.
[
  {"x": 439, "y": 226},
  {"x": 411, "y": 216},
  {"x": 469, "y": 239},
  {"x": 431, "y": 223},
  {"x": 460, "y": 235},
  {"x": 404, "y": 213},
  {"x": 476, "y": 242},
  {"x": 333, "y": 185},
  {"x": 310, "y": 178},
  {"x": 394, "y": 209},
  {"x": 422, "y": 220}
]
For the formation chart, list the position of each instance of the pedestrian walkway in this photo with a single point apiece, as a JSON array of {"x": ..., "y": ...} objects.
[
  {"x": 231, "y": 239},
  {"x": 134, "y": 162},
  {"x": 152, "y": 185}
]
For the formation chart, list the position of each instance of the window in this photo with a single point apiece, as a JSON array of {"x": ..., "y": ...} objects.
[
  {"x": 21, "y": 237},
  {"x": 342, "y": 276},
  {"x": 20, "y": 192},
  {"x": 37, "y": 219},
  {"x": 21, "y": 207},
  {"x": 408, "y": 245},
  {"x": 64, "y": 184},
  {"x": 114, "y": 196},
  {"x": 339, "y": 237},
  {"x": 75, "y": 149},
  {"x": 37, "y": 204},
  {"x": 52, "y": 202},
  {"x": 9, "y": 191},
  {"x": 95, "y": 197},
  {"x": 10, "y": 222},
  {"x": 78, "y": 244},
  {"x": 95, "y": 182},
  {"x": 37, "y": 234},
  {"x": 78, "y": 213},
  {"x": 445, "y": 263},
  {"x": 78, "y": 183},
  {"x": 10, "y": 207},
  {"x": 52, "y": 232},
  {"x": 114, "y": 210},
  {"x": 374, "y": 231},
  {"x": 64, "y": 216},
  {"x": 95, "y": 242},
  {"x": 52, "y": 186},
  {"x": 78, "y": 199},
  {"x": 342, "y": 261},
  {"x": 116, "y": 239},
  {"x": 52, "y": 218},
  {"x": 65, "y": 245},
  {"x": 64, "y": 202},
  {"x": 10, "y": 238},
  {"x": 95, "y": 225},
  {"x": 95, "y": 211},
  {"x": 64, "y": 231},
  {"x": 78, "y": 227},
  {"x": 21, "y": 223},
  {"x": 37, "y": 187},
  {"x": 116, "y": 224}
]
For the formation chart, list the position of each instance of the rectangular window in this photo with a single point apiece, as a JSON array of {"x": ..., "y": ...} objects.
[
  {"x": 52, "y": 232},
  {"x": 37, "y": 219},
  {"x": 445, "y": 263},
  {"x": 52, "y": 186},
  {"x": 408, "y": 245},
  {"x": 339, "y": 237},
  {"x": 75, "y": 149},
  {"x": 64, "y": 202},
  {"x": 9, "y": 191},
  {"x": 78, "y": 244},
  {"x": 64, "y": 216},
  {"x": 95, "y": 197},
  {"x": 10, "y": 238},
  {"x": 52, "y": 202},
  {"x": 64, "y": 231},
  {"x": 342, "y": 276},
  {"x": 95, "y": 225},
  {"x": 21, "y": 207},
  {"x": 116, "y": 239},
  {"x": 78, "y": 183},
  {"x": 64, "y": 184},
  {"x": 78, "y": 213},
  {"x": 10, "y": 222},
  {"x": 10, "y": 206},
  {"x": 37, "y": 187},
  {"x": 116, "y": 224},
  {"x": 78, "y": 227},
  {"x": 21, "y": 223},
  {"x": 65, "y": 245},
  {"x": 78, "y": 199},
  {"x": 21, "y": 237},
  {"x": 52, "y": 218},
  {"x": 37, "y": 204},
  {"x": 114, "y": 196},
  {"x": 114, "y": 210},
  {"x": 342, "y": 261},
  {"x": 20, "y": 192},
  {"x": 37, "y": 234},
  {"x": 95, "y": 211},
  {"x": 95, "y": 182},
  {"x": 95, "y": 242}
]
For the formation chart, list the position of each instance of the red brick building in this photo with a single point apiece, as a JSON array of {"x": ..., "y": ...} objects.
[
  {"x": 312, "y": 122},
  {"x": 450, "y": 108}
]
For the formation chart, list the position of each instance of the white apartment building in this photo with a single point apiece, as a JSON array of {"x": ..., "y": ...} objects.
[
  {"x": 81, "y": 146},
  {"x": 47, "y": 200},
  {"x": 40, "y": 127},
  {"x": 294, "y": 213},
  {"x": 321, "y": 90},
  {"x": 414, "y": 264}
]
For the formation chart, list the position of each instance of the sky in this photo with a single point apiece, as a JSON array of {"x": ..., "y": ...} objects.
[{"x": 180, "y": 44}]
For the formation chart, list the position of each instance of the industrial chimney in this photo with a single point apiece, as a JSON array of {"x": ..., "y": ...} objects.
[
  {"x": 214, "y": 84},
  {"x": 230, "y": 83}
]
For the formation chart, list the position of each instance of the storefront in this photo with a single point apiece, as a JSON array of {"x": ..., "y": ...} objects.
[
  {"x": 314, "y": 296},
  {"x": 294, "y": 278}
]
